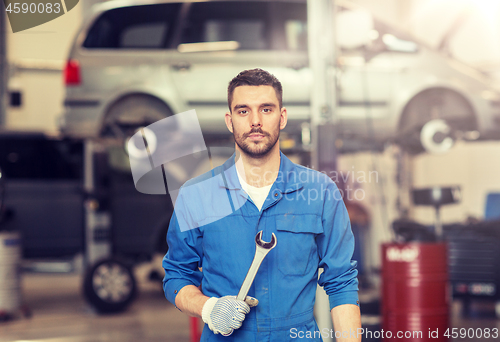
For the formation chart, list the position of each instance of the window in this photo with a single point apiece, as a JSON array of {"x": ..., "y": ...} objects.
[
  {"x": 144, "y": 36},
  {"x": 257, "y": 25},
  {"x": 252, "y": 25},
  {"x": 135, "y": 27},
  {"x": 248, "y": 33}
]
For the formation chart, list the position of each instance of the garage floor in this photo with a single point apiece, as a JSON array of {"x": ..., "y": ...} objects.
[{"x": 61, "y": 315}]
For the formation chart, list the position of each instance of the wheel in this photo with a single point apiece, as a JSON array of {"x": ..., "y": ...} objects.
[
  {"x": 437, "y": 104},
  {"x": 436, "y": 136},
  {"x": 126, "y": 116},
  {"x": 109, "y": 286}
]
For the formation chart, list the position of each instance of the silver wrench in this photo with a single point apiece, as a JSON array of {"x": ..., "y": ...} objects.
[{"x": 261, "y": 250}]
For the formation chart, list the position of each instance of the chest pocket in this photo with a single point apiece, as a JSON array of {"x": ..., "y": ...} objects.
[{"x": 297, "y": 250}]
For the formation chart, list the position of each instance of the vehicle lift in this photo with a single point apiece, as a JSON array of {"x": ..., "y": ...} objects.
[{"x": 109, "y": 284}]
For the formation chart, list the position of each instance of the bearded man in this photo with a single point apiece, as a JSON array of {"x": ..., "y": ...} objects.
[{"x": 211, "y": 248}]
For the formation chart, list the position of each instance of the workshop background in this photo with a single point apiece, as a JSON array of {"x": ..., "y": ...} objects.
[{"x": 408, "y": 189}]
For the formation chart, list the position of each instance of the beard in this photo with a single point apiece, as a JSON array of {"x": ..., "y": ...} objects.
[{"x": 260, "y": 148}]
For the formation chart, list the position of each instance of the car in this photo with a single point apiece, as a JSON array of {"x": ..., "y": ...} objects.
[{"x": 135, "y": 62}]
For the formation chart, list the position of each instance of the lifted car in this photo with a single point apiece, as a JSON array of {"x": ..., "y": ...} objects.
[{"x": 135, "y": 62}]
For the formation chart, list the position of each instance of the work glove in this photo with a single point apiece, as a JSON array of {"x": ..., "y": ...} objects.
[{"x": 224, "y": 315}]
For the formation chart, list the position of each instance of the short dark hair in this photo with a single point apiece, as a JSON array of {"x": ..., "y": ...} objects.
[{"x": 254, "y": 77}]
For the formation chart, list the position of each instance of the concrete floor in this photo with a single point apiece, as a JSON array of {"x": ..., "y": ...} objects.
[{"x": 61, "y": 315}]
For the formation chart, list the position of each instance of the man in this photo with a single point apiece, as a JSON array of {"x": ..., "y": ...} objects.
[{"x": 267, "y": 192}]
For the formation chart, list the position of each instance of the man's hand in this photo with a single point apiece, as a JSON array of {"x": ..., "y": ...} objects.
[{"x": 224, "y": 315}]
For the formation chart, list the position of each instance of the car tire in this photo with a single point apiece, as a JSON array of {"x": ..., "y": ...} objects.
[
  {"x": 129, "y": 114},
  {"x": 109, "y": 286},
  {"x": 432, "y": 105},
  {"x": 436, "y": 137}
]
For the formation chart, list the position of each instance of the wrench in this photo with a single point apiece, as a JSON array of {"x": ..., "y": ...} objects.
[{"x": 261, "y": 250}]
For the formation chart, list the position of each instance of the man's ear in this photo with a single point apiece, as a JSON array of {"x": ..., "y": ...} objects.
[
  {"x": 229, "y": 121},
  {"x": 283, "y": 118}
]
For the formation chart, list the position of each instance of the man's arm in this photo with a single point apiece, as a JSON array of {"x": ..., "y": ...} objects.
[
  {"x": 190, "y": 300},
  {"x": 339, "y": 278},
  {"x": 183, "y": 260},
  {"x": 347, "y": 322}
]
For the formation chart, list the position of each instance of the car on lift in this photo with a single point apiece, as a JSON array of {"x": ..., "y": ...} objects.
[{"x": 135, "y": 62}]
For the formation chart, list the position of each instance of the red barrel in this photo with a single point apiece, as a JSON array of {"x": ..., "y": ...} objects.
[{"x": 415, "y": 298}]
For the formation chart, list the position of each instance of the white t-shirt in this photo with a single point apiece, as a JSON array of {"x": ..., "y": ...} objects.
[{"x": 258, "y": 195}]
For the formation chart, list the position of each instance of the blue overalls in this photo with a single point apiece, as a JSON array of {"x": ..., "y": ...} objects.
[{"x": 214, "y": 227}]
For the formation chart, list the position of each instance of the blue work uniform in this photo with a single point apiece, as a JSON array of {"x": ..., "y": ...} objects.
[{"x": 214, "y": 227}]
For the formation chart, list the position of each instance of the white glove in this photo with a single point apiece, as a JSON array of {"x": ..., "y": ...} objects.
[{"x": 224, "y": 315}]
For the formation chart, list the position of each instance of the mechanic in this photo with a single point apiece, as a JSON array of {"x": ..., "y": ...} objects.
[{"x": 217, "y": 215}]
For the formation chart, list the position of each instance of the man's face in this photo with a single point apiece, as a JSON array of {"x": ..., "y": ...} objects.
[{"x": 255, "y": 119}]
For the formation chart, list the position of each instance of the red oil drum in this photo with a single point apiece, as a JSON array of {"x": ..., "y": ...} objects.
[{"x": 415, "y": 298}]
